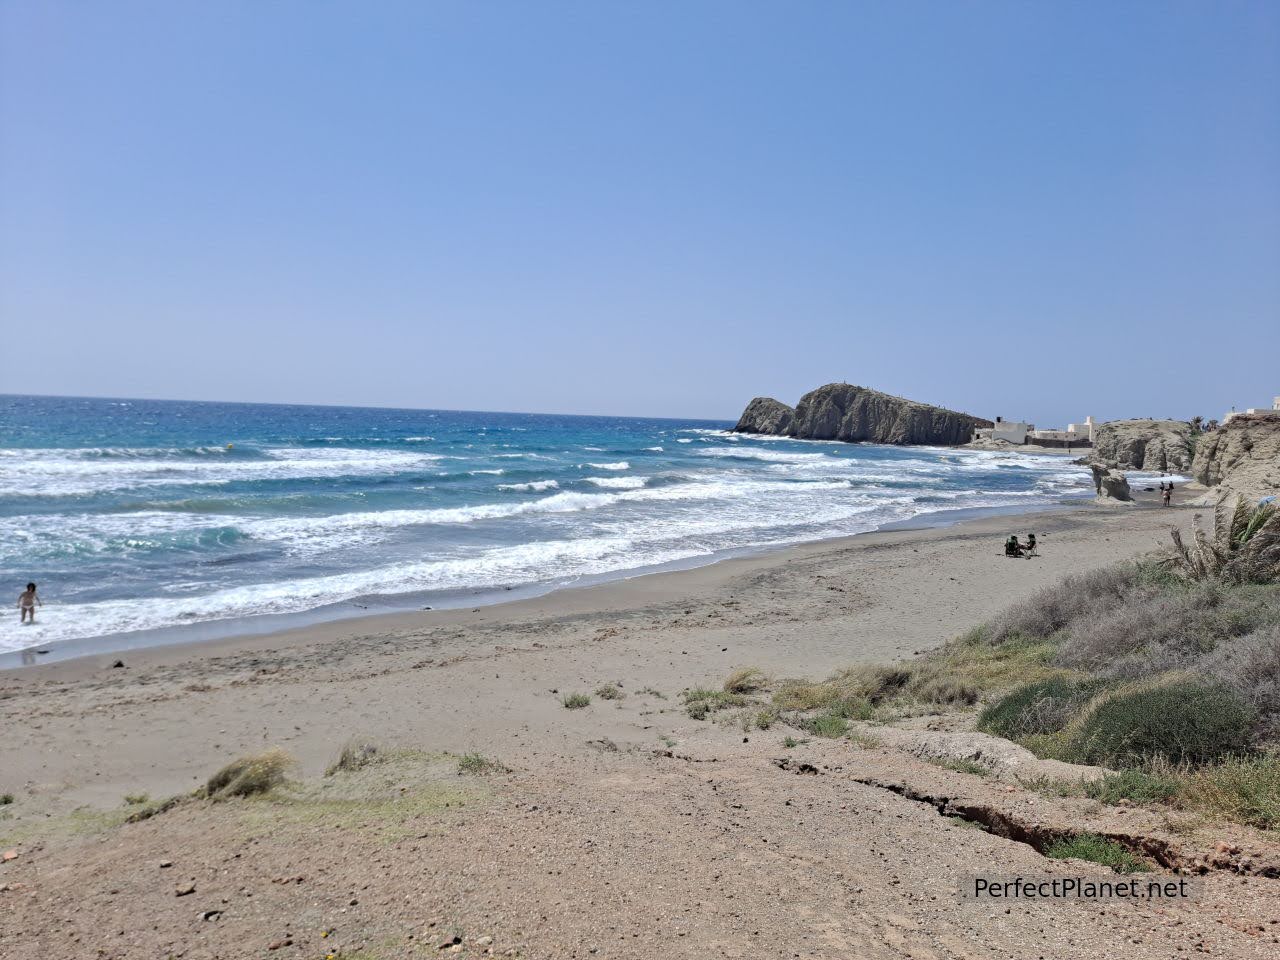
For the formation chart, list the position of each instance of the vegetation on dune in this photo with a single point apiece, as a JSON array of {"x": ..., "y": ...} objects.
[
  {"x": 476, "y": 764},
  {"x": 575, "y": 701},
  {"x": 1180, "y": 720},
  {"x": 1244, "y": 546},
  {"x": 610, "y": 691},
  {"x": 700, "y": 702},
  {"x": 354, "y": 755},
  {"x": 1166, "y": 671},
  {"x": 249, "y": 775},
  {"x": 745, "y": 680}
]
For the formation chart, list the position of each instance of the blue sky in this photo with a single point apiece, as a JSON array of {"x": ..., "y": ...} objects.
[{"x": 1035, "y": 210}]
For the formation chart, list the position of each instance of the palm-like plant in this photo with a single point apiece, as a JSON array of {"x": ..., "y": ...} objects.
[{"x": 1244, "y": 548}]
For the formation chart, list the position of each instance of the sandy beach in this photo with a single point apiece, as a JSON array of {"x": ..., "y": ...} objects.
[{"x": 622, "y": 829}]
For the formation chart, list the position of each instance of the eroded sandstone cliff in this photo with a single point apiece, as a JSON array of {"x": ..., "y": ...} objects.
[
  {"x": 1161, "y": 446},
  {"x": 1242, "y": 456}
]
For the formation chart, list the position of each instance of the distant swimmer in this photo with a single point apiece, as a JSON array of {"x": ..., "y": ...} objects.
[{"x": 27, "y": 603}]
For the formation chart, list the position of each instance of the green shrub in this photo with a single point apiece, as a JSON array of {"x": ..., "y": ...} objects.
[
  {"x": 829, "y": 723},
  {"x": 700, "y": 701},
  {"x": 1045, "y": 706},
  {"x": 1181, "y": 720},
  {"x": 575, "y": 701},
  {"x": 1136, "y": 786},
  {"x": 1096, "y": 849},
  {"x": 1246, "y": 790}
]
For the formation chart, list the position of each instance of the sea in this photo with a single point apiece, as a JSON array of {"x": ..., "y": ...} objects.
[{"x": 156, "y": 521}]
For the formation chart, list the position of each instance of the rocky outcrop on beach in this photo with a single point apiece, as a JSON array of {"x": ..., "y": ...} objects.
[
  {"x": 765, "y": 415},
  {"x": 1242, "y": 456},
  {"x": 1161, "y": 446},
  {"x": 1110, "y": 484},
  {"x": 842, "y": 411}
]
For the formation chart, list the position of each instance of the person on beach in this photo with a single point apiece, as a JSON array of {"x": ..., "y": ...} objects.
[
  {"x": 1167, "y": 494},
  {"x": 1031, "y": 544},
  {"x": 1012, "y": 548},
  {"x": 27, "y": 603}
]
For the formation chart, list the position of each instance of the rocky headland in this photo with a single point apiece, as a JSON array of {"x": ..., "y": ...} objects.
[
  {"x": 842, "y": 411},
  {"x": 1160, "y": 446},
  {"x": 1241, "y": 457}
]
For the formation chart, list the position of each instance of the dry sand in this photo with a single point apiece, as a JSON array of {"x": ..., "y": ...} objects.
[{"x": 624, "y": 829}]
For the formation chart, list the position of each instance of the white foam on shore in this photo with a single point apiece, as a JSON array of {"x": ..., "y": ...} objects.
[{"x": 496, "y": 567}]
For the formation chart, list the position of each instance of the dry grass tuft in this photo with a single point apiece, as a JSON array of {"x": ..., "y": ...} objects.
[
  {"x": 249, "y": 775},
  {"x": 746, "y": 680},
  {"x": 476, "y": 764},
  {"x": 1246, "y": 790},
  {"x": 355, "y": 755}
]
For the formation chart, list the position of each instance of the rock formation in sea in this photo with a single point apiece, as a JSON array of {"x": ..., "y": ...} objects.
[
  {"x": 765, "y": 415},
  {"x": 1242, "y": 456},
  {"x": 842, "y": 411},
  {"x": 1110, "y": 483},
  {"x": 1161, "y": 446}
]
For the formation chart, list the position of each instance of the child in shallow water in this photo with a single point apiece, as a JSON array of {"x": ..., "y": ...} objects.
[{"x": 27, "y": 603}]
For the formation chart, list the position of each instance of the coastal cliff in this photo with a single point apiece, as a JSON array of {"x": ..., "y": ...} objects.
[
  {"x": 1242, "y": 456},
  {"x": 842, "y": 411},
  {"x": 1161, "y": 446}
]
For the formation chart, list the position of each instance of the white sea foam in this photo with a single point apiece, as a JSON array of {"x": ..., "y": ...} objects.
[
  {"x": 531, "y": 485},
  {"x": 736, "y": 493},
  {"x": 761, "y": 453},
  {"x": 76, "y": 472},
  {"x": 495, "y": 567},
  {"x": 618, "y": 483}
]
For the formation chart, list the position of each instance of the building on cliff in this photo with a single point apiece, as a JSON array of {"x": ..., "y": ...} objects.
[{"x": 1255, "y": 411}]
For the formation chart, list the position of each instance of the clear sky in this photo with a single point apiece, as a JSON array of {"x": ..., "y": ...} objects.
[{"x": 1038, "y": 210}]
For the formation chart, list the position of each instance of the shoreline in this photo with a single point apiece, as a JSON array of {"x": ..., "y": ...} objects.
[
  {"x": 596, "y": 797},
  {"x": 605, "y": 602},
  {"x": 211, "y": 633}
]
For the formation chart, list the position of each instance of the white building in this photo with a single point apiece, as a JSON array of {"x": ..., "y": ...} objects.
[
  {"x": 1018, "y": 431},
  {"x": 1081, "y": 431},
  {"x": 1010, "y": 431},
  {"x": 1257, "y": 411}
]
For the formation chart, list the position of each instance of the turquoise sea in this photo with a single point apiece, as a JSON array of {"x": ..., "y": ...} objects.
[{"x": 145, "y": 515}]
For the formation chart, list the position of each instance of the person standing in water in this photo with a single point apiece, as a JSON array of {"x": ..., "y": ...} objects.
[{"x": 27, "y": 603}]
